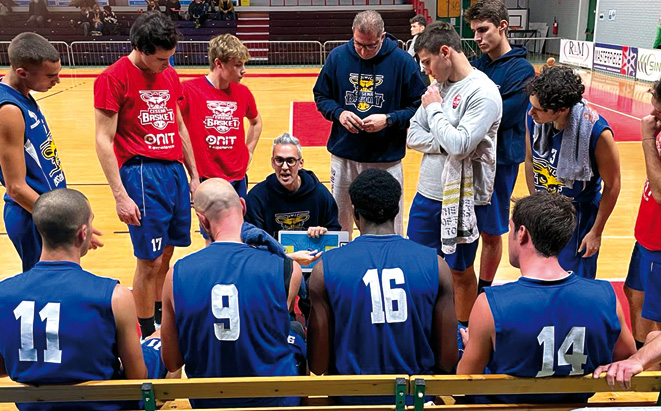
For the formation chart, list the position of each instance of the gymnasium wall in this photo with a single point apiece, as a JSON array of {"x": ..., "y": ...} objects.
[{"x": 634, "y": 25}]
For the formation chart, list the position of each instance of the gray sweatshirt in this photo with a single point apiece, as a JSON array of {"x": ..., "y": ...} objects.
[{"x": 464, "y": 124}]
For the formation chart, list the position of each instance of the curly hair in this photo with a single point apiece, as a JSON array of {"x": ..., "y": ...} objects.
[
  {"x": 557, "y": 87},
  {"x": 151, "y": 30},
  {"x": 375, "y": 195}
]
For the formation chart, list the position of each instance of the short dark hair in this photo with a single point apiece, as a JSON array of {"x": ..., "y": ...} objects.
[
  {"x": 151, "y": 30},
  {"x": 656, "y": 89},
  {"x": 557, "y": 87},
  {"x": 437, "y": 35},
  {"x": 549, "y": 218},
  {"x": 59, "y": 214},
  {"x": 30, "y": 50},
  {"x": 420, "y": 19},
  {"x": 493, "y": 11},
  {"x": 375, "y": 195}
]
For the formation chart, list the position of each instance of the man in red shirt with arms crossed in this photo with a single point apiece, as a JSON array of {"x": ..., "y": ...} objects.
[{"x": 137, "y": 118}]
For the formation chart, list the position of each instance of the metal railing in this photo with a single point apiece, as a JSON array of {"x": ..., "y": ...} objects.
[
  {"x": 263, "y": 53},
  {"x": 286, "y": 53},
  {"x": 61, "y": 46},
  {"x": 97, "y": 53}
]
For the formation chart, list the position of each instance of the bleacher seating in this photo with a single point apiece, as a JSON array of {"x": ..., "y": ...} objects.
[
  {"x": 330, "y": 25},
  {"x": 58, "y": 29},
  {"x": 284, "y": 26}
]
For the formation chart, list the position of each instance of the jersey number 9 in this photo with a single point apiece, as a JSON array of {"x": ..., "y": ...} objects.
[{"x": 225, "y": 307}]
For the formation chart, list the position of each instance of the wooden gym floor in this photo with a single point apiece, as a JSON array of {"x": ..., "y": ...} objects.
[{"x": 68, "y": 108}]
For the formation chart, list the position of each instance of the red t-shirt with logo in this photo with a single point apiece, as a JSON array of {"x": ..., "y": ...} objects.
[
  {"x": 214, "y": 119},
  {"x": 147, "y": 107},
  {"x": 648, "y": 223}
]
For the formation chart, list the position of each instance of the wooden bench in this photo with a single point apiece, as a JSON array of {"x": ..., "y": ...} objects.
[{"x": 397, "y": 385}]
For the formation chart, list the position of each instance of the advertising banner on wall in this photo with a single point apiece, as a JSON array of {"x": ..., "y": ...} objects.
[
  {"x": 649, "y": 64},
  {"x": 615, "y": 59},
  {"x": 577, "y": 53}
]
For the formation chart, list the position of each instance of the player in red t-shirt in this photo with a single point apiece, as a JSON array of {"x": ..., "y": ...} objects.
[
  {"x": 141, "y": 142},
  {"x": 643, "y": 284},
  {"x": 213, "y": 109}
]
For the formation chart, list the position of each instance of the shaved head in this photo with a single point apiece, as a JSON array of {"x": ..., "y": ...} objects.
[{"x": 215, "y": 196}]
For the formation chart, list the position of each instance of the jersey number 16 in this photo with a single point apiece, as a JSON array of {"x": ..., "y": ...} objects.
[{"x": 396, "y": 310}]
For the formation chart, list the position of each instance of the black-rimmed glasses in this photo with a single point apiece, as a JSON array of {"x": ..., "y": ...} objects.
[{"x": 291, "y": 161}]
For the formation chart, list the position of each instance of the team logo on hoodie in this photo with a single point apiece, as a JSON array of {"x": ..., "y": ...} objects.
[
  {"x": 363, "y": 96},
  {"x": 293, "y": 220}
]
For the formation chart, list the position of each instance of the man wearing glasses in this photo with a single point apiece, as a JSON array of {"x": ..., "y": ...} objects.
[
  {"x": 369, "y": 88},
  {"x": 291, "y": 198}
]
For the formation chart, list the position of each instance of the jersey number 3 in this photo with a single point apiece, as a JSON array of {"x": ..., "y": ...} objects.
[
  {"x": 396, "y": 310},
  {"x": 51, "y": 314}
]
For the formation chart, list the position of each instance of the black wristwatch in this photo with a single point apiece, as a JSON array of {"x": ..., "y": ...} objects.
[{"x": 389, "y": 120}]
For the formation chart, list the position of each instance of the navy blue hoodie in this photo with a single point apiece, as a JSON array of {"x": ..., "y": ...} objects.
[
  {"x": 511, "y": 72},
  {"x": 390, "y": 83},
  {"x": 272, "y": 207}
]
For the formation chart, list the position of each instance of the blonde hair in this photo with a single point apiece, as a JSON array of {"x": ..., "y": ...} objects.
[{"x": 226, "y": 47}]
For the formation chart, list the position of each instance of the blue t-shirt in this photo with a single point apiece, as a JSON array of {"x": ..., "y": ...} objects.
[
  {"x": 570, "y": 327},
  {"x": 382, "y": 290},
  {"x": 43, "y": 171},
  {"x": 545, "y": 169},
  {"x": 49, "y": 316},
  {"x": 231, "y": 313}
]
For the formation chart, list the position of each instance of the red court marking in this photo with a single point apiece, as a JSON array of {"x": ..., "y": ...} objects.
[
  {"x": 624, "y": 127},
  {"x": 308, "y": 125}
]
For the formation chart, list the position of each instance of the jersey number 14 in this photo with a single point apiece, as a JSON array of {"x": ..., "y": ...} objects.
[{"x": 574, "y": 341}]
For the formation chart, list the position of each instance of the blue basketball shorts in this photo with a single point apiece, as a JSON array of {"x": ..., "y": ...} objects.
[
  {"x": 570, "y": 259},
  {"x": 241, "y": 188},
  {"x": 151, "y": 352},
  {"x": 498, "y": 211},
  {"x": 160, "y": 190},
  {"x": 425, "y": 228},
  {"x": 645, "y": 275},
  {"x": 23, "y": 233}
]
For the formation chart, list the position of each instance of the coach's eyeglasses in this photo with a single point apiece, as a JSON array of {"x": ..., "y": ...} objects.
[
  {"x": 291, "y": 161},
  {"x": 370, "y": 47}
]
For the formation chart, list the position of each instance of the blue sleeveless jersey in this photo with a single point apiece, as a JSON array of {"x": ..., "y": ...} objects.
[
  {"x": 552, "y": 328},
  {"x": 43, "y": 171},
  {"x": 58, "y": 327},
  {"x": 545, "y": 169},
  {"x": 231, "y": 314},
  {"x": 382, "y": 290}
]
